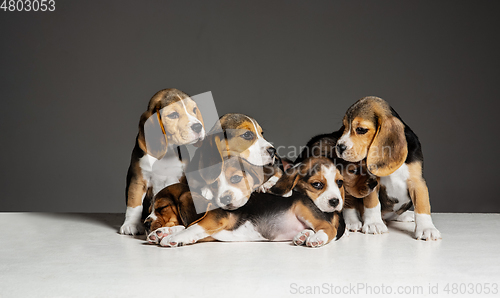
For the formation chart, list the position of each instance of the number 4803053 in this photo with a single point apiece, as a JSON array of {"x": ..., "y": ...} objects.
[{"x": 28, "y": 5}]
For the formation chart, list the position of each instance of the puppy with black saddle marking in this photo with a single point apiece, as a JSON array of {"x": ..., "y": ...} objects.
[
  {"x": 374, "y": 131},
  {"x": 359, "y": 183},
  {"x": 172, "y": 119},
  {"x": 309, "y": 216}
]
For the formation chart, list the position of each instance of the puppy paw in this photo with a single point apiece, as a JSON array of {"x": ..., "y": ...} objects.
[
  {"x": 302, "y": 237},
  {"x": 351, "y": 219},
  {"x": 132, "y": 228},
  {"x": 267, "y": 185},
  {"x": 317, "y": 240},
  {"x": 207, "y": 193},
  {"x": 157, "y": 235},
  {"x": 428, "y": 233},
  {"x": 377, "y": 227},
  {"x": 353, "y": 225},
  {"x": 178, "y": 239},
  {"x": 424, "y": 228},
  {"x": 407, "y": 216}
]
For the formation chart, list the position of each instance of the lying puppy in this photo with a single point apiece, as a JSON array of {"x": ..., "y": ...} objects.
[
  {"x": 359, "y": 183},
  {"x": 373, "y": 130},
  {"x": 171, "y": 120},
  {"x": 235, "y": 135},
  {"x": 309, "y": 216}
]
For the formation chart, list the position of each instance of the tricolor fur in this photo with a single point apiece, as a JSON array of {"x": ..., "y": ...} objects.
[{"x": 374, "y": 131}]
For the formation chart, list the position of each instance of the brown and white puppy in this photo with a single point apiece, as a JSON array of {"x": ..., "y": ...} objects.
[
  {"x": 359, "y": 183},
  {"x": 373, "y": 130},
  {"x": 309, "y": 216},
  {"x": 235, "y": 135},
  {"x": 172, "y": 119}
]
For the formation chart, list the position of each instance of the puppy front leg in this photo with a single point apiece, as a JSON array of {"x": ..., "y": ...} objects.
[
  {"x": 353, "y": 208},
  {"x": 372, "y": 216},
  {"x": 276, "y": 175},
  {"x": 214, "y": 221},
  {"x": 419, "y": 193},
  {"x": 321, "y": 232},
  {"x": 136, "y": 192}
]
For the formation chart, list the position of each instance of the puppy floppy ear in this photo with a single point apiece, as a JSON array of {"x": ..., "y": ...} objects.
[
  {"x": 152, "y": 138},
  {"x": 287, "y": 182},
  {"x": 200, "y": 118},
  {"x": 389, "y": 149},
  {"x": 211, "y": 160}
]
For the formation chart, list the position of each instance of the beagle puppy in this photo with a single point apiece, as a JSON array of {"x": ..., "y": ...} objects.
[
  {"x": 374, "y": 131},
  {"x": 359, "y": 183},
  {"x": 172, "y": 119},
  {"x": 309, "y": 216},
  {"x": 234, "y": 135}
]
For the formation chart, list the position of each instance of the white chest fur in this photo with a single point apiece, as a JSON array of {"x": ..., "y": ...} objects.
[
  {"x": 163, "y": 172},
  {"x": 397, "y": 187}
]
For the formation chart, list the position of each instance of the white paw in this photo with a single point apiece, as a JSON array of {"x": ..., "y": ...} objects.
[
  {"x": 377, "y": 227},
  {"x": 317, "y": 240},
  {"x": 351, "y": 219},
  {"x": 207, "y": 193},
  {"x": 267, "y": 185},
  {"x": 288, "y": 194},
  {"x": 132, "y": 228},
  {"x": 301, "y": 237},
  {"x": 133, "y": 223},
  {"x": 157, "y": 235},
  {"x": 354, "y": 226},
  {"x": 372, "y": 221},
  {"x": 424, "y": 228},
  {"x": 178, "y": 239},
  {"x": 407, "y": 216},
  {"x": 430, "y": 233}
]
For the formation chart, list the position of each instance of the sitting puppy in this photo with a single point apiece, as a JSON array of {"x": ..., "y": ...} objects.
[
  {"x": 171, "y": 120},
  {"x": 373, "y": 130},
  {"x": 235, "y": 135},
  {"x": 309, "y": 216}
]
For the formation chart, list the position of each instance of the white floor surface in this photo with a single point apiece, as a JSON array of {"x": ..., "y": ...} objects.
[{"x": 81, "y": 255}]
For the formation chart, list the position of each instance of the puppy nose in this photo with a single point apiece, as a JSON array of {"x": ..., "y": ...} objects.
[
  {"x": 271, "y": 151},
  {"x": 341, "y": 148},
  {"x": 373, "y": 184},
  {"x": 196, "y": 127},
  {"x": 334, "y": 202},
  {"x": 225, "y": 200}
]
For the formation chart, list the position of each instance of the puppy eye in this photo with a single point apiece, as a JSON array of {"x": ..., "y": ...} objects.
[
  {"x": 195, "y": 110},
  {"x": 340, "y": 183},
  {"x": 160, "y": 209},
  {"x": 354, "y": 171},
  {"x": 361, "y": 131},
  {"x": 247, "y": 135},
  {"x": 317, "y": 185},
  {"x": 173, "y": 115},
  {"x": 235, "y": 179}
]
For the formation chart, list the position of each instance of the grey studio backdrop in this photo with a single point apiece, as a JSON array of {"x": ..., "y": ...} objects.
[{"x": 74, "y": 83}]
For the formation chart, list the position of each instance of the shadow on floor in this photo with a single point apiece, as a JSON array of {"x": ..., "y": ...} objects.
[{"x": 111, "y": 220}]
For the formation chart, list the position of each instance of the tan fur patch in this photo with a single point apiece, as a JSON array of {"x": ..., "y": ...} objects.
[{"x": 417, "y": 189}]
